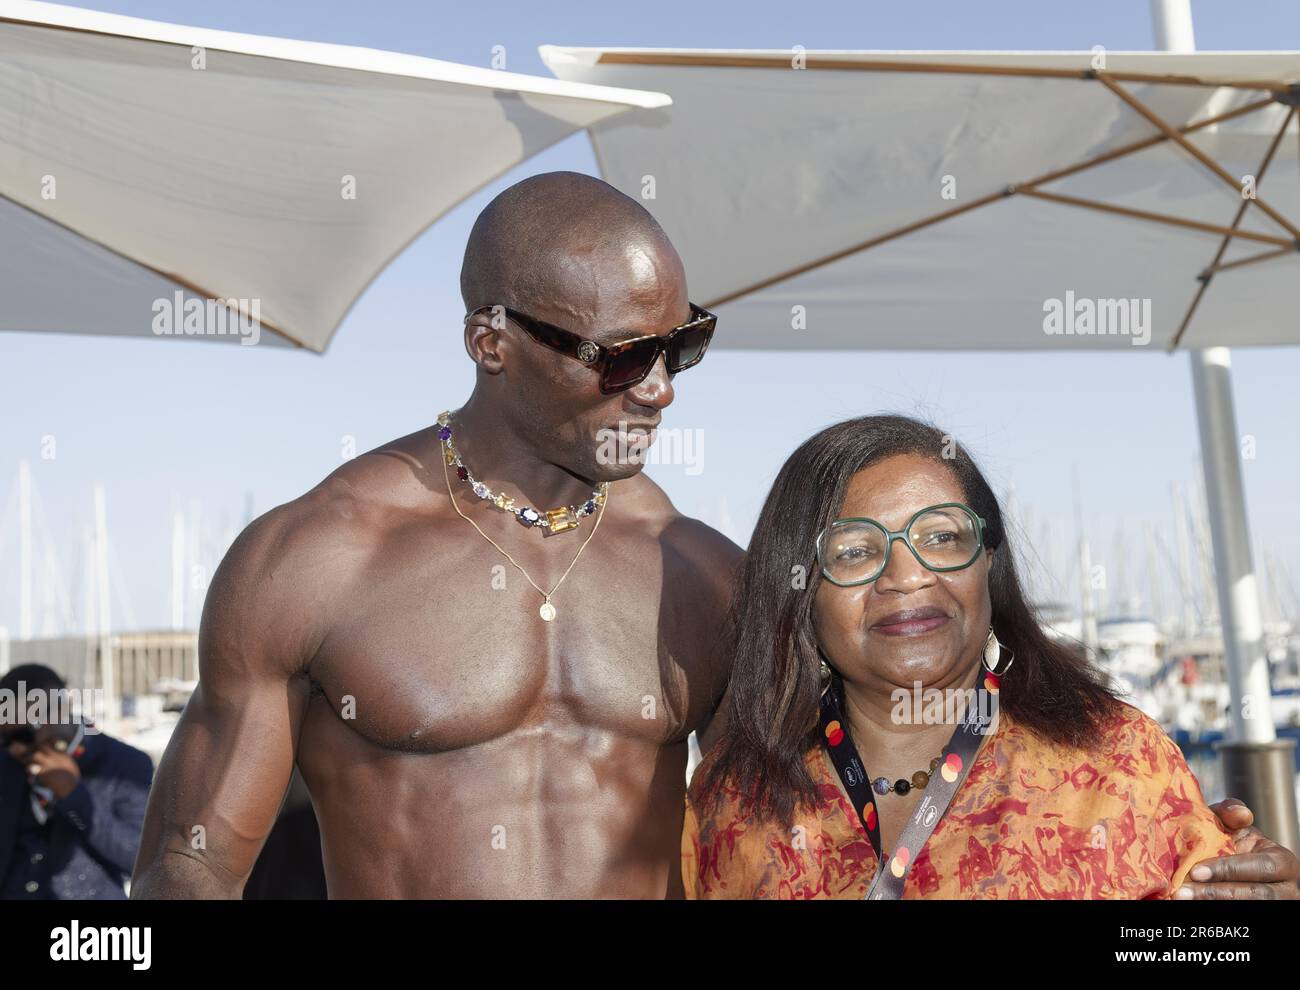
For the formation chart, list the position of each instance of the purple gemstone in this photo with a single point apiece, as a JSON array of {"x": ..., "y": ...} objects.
[
  {"x": 590, "y": 506},
  {"x": 529, "y": 517},
  {"x": 881, "y": 786},
  {"x": 480, "y": 489},
  {"x": 444, "y": 433}
]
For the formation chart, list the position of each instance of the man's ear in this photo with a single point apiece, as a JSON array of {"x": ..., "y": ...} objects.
[{"x": 484, "y": 340}]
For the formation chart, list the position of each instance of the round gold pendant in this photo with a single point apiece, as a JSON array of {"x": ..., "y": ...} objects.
[{"x": 547, "y": 611}]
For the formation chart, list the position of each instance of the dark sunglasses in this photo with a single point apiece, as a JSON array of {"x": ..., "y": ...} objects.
[{"x": 628, "y": 362}]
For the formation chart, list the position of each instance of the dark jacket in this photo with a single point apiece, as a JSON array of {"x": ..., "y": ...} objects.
[{"x": 93, "y": 833}]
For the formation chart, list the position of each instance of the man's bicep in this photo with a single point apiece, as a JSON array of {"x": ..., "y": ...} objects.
[
  {"x": 220, "y": 785},
  {"x": 228, "y": 764}
]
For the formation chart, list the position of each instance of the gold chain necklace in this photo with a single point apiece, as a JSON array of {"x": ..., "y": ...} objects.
[{"x": 547, "y": 610}]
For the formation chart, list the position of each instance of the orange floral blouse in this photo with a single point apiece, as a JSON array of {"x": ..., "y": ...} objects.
[{"x": 1123, "y": 819}]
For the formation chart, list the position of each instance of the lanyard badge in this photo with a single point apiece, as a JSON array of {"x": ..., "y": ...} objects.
[{"x": 954, "y": 764}]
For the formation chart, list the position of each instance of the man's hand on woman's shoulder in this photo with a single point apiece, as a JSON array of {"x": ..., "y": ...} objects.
[{"x": 1260, "y": 870}]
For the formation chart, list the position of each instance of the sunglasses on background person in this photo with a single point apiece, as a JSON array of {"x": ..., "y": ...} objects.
[
  {"x": 35, "y": 736},
  {"x": 627, "y": 363}
]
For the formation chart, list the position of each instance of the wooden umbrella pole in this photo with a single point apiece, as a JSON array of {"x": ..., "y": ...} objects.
[
  {"x": 722, "y": 60},
  {"x": 1215, "y": 265},
  {"x": 1191, "y": 311},
  {"x": 1156, "y": 120}
]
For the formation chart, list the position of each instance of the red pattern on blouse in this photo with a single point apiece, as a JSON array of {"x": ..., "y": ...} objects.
[{"x": 1124, "y": 818}]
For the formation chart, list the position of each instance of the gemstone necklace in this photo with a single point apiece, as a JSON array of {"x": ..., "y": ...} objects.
[
  {"x": 547, "y": 610},
  {"x": 557, "y": 520}
]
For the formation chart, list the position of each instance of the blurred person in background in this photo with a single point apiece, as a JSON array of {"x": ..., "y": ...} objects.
[{"x": 72, "y": 799}]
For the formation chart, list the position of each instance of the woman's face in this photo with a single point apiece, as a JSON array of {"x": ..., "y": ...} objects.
[{"x": 868, "y": 632}]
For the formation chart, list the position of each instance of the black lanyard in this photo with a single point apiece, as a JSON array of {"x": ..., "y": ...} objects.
[{"x": 954, "y": 764}]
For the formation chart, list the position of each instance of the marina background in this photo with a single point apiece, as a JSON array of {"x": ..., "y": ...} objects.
[{"x": 185, "y": 441}]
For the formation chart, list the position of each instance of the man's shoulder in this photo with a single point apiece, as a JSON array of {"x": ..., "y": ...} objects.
[
  {"x": 696, "y": 541},
  {"x": 314, "y": 546},
  {"x": 402, "y": 476},
  {"x": 296, "y": 535},
  {"x": 353, "y": 506},
  {"x": 703, "y": 548},
  {"x": 286, "y": 577}
]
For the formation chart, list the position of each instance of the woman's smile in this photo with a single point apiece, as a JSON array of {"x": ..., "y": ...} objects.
[{"x": 911, "y": 622}]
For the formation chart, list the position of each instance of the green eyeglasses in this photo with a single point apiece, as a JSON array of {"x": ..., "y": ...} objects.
[{"x": 944, "y": 537}]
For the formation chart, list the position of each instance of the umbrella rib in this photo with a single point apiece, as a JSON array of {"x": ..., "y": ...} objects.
[
  {"x": 1145, "y": 143},
  {"x": 1157, "y": 121},
  {"x": 1249, "y": 260},
  {"x": 1259, "y": 176},
  {"x": 984, "y": 200},
  {"x": 947, "y": 68},
  {"x": 856, "y": 248},
  {"x": 183, "y": 283},
  {"x": 1215, "y": 265},
  {"x": 1126, "y": 211}
]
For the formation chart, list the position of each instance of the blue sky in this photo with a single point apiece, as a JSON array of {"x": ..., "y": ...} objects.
[{"x": 168, "y": 425}]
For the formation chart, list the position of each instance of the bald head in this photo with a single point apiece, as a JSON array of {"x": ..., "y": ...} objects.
[
  {"x": 556, "y": 241},
  {"x": 573, "y": 251}
]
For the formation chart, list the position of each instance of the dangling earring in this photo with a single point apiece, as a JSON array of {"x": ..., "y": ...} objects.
[
  {"x": 993, "y": 653},
  {"x": 825, "y": 671}
]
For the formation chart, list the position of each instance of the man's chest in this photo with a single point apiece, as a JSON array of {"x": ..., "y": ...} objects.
[{"x": 442, "y": 645}]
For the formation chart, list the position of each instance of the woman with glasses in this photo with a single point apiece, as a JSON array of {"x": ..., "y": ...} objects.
[{"x": 894, "y": 701}]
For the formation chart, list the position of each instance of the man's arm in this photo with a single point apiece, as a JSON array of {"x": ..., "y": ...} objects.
[
  {"x": 715, "y": 561},
  {"x": 228, "y": 764},
  {"x": 1261, "y": 870}
]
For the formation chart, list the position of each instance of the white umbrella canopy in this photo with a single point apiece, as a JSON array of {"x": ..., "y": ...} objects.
[
  {"x": 139, "y": 160},
  {"x": 874, "y": 191},
  {"x": 961, "y": 200}
]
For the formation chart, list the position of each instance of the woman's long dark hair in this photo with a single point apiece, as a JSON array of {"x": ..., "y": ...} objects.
[{"x": 776, "y": 681}]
